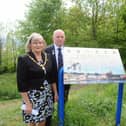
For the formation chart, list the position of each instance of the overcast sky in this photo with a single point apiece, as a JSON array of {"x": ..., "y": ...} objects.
[{"x": 11, "y": 10}]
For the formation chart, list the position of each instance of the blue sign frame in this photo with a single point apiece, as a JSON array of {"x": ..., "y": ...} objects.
[
  {"x": 61, "y": 97},
  {"x": 61, "y": 100}
]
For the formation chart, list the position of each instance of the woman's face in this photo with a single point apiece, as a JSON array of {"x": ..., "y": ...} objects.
[{"x": 37, "y": 44}]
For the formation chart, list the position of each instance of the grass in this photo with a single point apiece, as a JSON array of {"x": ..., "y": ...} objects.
[
  {"x": 10, "y": 114},
  {"x": 8, "y": 87},
  {"x": 92, "y": 105}
]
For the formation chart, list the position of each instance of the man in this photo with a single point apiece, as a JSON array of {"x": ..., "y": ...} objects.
[{"x": 56, "y": 52}]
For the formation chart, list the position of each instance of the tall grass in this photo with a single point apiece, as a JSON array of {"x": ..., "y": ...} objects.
[
  {"x": 93, "y": 105},
  {"x": 90, "y": 105},
  {"x": 8, "y": 87},
  {"x": 10, "y": 114}
]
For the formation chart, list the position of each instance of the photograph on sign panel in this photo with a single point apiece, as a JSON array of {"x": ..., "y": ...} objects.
[{"x": 92, "y": 65}]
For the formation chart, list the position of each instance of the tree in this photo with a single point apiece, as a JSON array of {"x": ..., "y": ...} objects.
[
  {"x": 0, "y": 50},
  {"x": 76, "y": 27},
  {"x": 88, "y": 23},
  {"x": 10, "y": 52},
  {"x": 1, "y": 41},
  {"x": 39, "y": 18},
  {"x": 2, "y": 30}
]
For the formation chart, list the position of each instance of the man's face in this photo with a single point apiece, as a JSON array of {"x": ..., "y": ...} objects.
[{"x": 59, "y": 38}]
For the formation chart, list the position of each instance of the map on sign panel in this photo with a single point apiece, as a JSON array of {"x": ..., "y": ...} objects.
[{"x": 92, "y": 65}]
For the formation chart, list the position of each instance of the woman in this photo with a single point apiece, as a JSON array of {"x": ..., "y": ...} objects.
[{"x": 36, "y": 81}]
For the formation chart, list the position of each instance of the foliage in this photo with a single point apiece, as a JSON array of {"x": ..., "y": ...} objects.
[
  {"x": 8, "y": 49},
  {"x": 87, "y": 23},
  {"x": 39, "y": 18}
]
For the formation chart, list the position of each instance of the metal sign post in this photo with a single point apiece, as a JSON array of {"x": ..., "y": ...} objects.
[
  {"x": 61, "y": 98},
  {"x": 119, "y": 103},
  {"x": 80, "y": 68}
]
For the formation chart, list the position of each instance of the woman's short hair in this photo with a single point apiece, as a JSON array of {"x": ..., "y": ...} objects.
[{"x": 30, "y": 38}]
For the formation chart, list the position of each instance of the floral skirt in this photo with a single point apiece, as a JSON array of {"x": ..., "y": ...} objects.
[{"x": 42, "y": 101}]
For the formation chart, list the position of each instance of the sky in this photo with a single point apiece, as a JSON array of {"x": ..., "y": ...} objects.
[{"x": 11, "y": 10}]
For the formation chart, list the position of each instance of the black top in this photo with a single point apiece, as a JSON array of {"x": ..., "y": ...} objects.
[{"x": 30, "y": 75}]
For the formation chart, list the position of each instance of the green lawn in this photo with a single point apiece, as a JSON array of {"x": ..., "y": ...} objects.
[
  {"x": 10, "y": 114},
  {"x": 92, "y": 105}
]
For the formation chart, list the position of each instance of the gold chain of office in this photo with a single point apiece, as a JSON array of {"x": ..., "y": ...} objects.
[{"x": 41, "y": 65}]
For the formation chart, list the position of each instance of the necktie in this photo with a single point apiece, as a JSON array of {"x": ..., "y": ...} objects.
[{"x": 60, "y": 58}]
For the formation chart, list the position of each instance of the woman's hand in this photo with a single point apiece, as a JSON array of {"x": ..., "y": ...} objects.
[
  {"x": 28, "y": 109},
  {"x": 54, "y": 88},
  {"x": 27, "y": 102},
  {"x": 55, "y": 97}
]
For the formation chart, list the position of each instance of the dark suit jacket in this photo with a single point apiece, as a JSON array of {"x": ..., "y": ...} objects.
[
  {"x": 51, "y": 50},
  {"x": 30, "y": 75}
]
